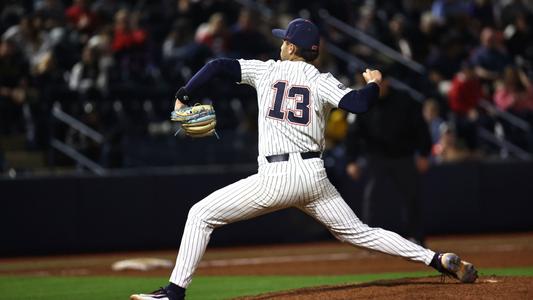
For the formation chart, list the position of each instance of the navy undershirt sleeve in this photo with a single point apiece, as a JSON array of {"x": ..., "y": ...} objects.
[
  {"x": 359, "y": 101},
  {"x": 229, "y": 68}
]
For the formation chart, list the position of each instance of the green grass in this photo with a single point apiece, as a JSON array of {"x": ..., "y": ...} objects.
[{"x": 207, "y": 287}]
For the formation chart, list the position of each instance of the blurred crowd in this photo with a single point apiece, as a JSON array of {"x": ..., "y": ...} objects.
[
  {"x": 115, "y": 64},
  {"x": 474, "y": 52}
]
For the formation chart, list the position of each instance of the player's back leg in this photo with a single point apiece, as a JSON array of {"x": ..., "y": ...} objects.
[{"x": 332, "y": 211}]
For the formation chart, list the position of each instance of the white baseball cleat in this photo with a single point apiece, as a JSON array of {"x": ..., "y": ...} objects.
[
  {"x": 160, "y": 294},
  {"x": 457, "y": 268}
]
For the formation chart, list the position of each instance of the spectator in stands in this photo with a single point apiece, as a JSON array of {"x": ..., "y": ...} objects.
[
  {"x": 246, "y": 41},
  {"x": 14, "y": 87},
  {"x": 182, "y": 56},
  {"x": 190, "y": 12},
  {"x": 490, "y": 58},
  {"x": 48, "y": 79},
  {"x": 30, "y": 38},
  {"x": 397, "y": 36},
  {"x": 88, "y": 77},
  {"x": 129, "y": 45},
  {"x": 482, "y": 11},
  {"x": 519, "y": 38},
  {"x": 50, "y": 85},
  {"x": 431, "y": 113},
  {"x": 10, "y": 14},
  {"x": 445, "y": 60},
  {"x": 512, "y": 8},
  {"x": 214, "y": 34},
  {"x": 51, "y": 9},
  {"x": 429, "y": 36},
  {"x": 367, "y": 21},
  {"x": 80, "y": 16},
  {"x": 464, "y": 96},
  {"x": 443, "y": 10},
  {"x": 127, "y": 33},
  {"x": 450, "y": 148},
  {"x": 105, "y": 10},
  {"x": 442, "y": 63},
  {"x": 466, "y": 91},
  {"x": 395, "y": 140},
  {"x": 102, "y": 41},
  {"x": 515, "y": 93}
]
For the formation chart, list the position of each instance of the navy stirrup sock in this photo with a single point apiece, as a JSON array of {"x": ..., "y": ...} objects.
[{"x": 176, "y": 290}]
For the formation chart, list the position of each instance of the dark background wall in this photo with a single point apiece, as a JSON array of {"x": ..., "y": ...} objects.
[{"x": 126, "y": 212}]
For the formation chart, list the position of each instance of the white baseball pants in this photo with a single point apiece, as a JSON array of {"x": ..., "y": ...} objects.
[{"x": 294, "y": 183}]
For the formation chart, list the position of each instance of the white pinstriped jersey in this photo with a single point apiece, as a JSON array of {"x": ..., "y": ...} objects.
[{"x": 294, "y": 99}]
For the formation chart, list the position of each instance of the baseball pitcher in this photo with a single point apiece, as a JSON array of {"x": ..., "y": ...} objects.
[{"x": 294, "y": 100}]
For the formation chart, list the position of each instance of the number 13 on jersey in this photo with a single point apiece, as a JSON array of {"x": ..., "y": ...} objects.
[{"x": 299, "y": 94}]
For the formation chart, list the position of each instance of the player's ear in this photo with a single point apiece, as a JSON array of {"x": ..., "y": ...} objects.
[{"x": 292, "y": 48}]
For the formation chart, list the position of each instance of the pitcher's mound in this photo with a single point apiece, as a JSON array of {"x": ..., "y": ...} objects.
[{"x": 486, "y": 287}]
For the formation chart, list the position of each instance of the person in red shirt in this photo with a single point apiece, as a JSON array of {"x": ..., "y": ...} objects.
[
  {"x": 466, "y": 91},
  {"x": 80, "y": 15},
  {"x": 127, "y": 33},
  {"x": 463, "y": 98},
  {"x": 214, "y": 34}
]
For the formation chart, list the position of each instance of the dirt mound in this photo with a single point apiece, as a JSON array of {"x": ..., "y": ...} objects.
[{"x": 492, "y": 287}]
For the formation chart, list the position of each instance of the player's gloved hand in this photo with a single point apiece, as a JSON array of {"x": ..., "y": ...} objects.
[
  {"x": 196, "y": 121},
  {"x": 372, "y": 76}
]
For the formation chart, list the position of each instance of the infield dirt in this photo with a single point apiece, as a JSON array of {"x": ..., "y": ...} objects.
[
  {"x": 416, "y": 288},
  {"x": 327, "y": 258}
]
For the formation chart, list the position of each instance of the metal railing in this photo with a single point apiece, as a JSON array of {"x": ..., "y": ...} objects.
[
  {"x": 504, "y": 144},
  {"x": 62, "y": 116},
  {"x": 356, "y": 63},
  {"x": 371, "y": 42},
  {"x": 507, "y": 116},
  {"x": 81, "y": 160}
]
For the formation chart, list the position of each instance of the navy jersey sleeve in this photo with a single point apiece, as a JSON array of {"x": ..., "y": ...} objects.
[
  {"x": 359, "y": 101},
  {"x": 230, "y": 68}
]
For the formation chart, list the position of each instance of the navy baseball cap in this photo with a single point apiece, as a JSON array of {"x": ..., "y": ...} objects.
[{"x": 301, "y": 32}]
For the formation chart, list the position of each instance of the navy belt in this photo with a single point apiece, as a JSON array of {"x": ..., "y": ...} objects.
[{"x": 285, "y": 156}]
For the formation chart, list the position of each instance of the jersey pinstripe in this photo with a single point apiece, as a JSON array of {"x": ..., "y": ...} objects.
[{"x": 278, "y": 134}]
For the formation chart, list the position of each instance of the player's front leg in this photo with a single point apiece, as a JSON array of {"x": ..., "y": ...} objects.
[
  {"x": 229, "y": 204},
  {"x": 232, "y": 203}
]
